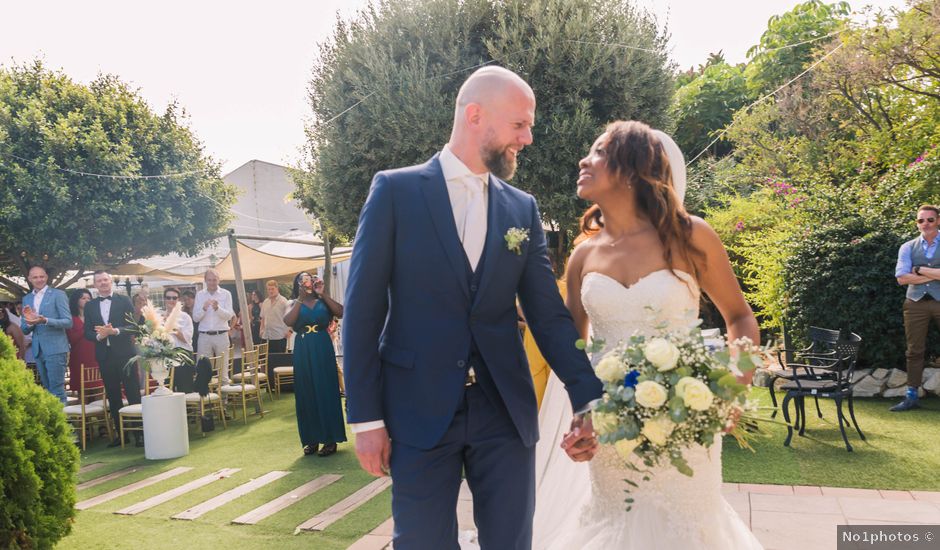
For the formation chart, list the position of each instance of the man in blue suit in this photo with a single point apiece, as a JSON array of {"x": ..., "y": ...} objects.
[
  {"x": 436, "y": 376},
  {"x": 46, "y": 316}
]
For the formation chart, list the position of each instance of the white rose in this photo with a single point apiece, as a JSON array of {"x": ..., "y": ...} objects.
[
  {"x": 625, "y": 447},
  {"x": 658, "y": 429},
  {"x": 650, "y": 394},
  {"x": 611, "y": 369},
  {"x": 681, "y": 384},
  {"x": 604, "y": 423},
  {"x": 662, "y": 353},
  {"x": 696, "y": 394}
]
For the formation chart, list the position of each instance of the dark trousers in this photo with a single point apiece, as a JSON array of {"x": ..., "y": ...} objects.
[
  {"x": 114, "y": 374},
  {"x": 277, "y": 346},
  {"x": 483, "y": 444},
  {"x": 917, "y": 317}
]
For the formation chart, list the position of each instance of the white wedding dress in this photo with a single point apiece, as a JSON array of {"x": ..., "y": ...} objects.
[{"x": 582, "y": 506}]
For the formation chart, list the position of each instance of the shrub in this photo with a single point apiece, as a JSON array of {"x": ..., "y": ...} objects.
[
  {"x": 841, "y": 275},
  {"x": 38, "y": 460}
]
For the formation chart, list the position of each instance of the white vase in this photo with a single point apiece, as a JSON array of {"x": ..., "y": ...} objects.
[{"x": 159, "y": 372}]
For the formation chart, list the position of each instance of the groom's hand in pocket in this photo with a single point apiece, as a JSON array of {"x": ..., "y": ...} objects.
[
  {"x": 374, "y": 449},
  {"x": 580, "y": 443}
]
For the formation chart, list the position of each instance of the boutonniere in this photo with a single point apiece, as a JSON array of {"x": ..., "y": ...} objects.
[{"x": 515, "y": 237}]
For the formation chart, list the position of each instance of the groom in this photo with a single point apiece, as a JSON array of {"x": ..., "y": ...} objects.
[{"x": 436, "y": 377}]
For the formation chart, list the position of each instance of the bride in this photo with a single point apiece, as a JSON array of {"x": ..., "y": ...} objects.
[{"x": 641, "y": 261}]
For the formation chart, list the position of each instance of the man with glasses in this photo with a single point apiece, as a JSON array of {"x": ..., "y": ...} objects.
[
  {"x": 183, "y": 335},
  {"x": 919, "y": 268}
]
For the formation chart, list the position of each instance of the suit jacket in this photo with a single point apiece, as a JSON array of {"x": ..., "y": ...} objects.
[
  {"x": 409, "y": 317},
  {"x": 113, "y": 348},
  {"x": 49, "y": 338}
]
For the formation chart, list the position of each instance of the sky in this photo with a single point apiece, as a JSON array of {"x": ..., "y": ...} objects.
[{"x": 240, "y": 69}]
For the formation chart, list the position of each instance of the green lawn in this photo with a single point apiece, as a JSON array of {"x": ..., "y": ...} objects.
[
  {"x": 263, "y": 445},
  {"x": 901, "y": 453},
  {"x": 901, "y": 450}
]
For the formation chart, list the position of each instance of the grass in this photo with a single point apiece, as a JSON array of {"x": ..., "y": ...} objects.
[
  {"x": 901, "y": 450},
  {"x": 263, "y": 445},
  {"x": 901, "y": 453}
]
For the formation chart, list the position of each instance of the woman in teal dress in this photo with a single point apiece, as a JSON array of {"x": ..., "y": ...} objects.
[{"x": 316, "y": 382}]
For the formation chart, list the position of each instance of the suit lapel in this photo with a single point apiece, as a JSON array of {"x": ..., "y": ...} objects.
[
  {"x": 434, "y": 189},
  {"x": 496, "y": 210}
]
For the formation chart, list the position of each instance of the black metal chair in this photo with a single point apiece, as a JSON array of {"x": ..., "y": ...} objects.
[
  {"x": 820, "y": 351},
  {"x": 837, "y": 387}
]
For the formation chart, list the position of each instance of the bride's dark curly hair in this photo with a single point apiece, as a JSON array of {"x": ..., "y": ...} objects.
[{"x": 636, "y": 158}]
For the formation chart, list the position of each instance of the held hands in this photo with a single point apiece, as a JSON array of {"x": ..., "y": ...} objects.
[
  {"x": 374, "y": 450},
  {"x": 580, "y": 443},
  {"x": 29, "y": 314}
]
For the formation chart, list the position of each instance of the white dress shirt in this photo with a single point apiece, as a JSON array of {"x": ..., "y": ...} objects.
[
  {"x": 213, "y": 319},
  {"x": 468, "y": 199},
  {"x": 38, "y": 295}
]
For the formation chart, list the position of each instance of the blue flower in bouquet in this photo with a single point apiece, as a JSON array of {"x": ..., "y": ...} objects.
[{"x": 629, "y": 381}]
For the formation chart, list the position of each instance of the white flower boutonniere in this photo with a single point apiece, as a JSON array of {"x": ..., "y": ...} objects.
[{"x": 515, "y": 237}]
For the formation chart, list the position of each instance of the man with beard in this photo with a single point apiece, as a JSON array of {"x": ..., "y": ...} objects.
[{"x": 436, "y": 378}]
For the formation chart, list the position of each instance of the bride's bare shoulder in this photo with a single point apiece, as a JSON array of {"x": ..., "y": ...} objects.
[{"x": 702, "y": 234}]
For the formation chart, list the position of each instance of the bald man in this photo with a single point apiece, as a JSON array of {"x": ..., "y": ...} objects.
[{"x": 436, "y": 377}]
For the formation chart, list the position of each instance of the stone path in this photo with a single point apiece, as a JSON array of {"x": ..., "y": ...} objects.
[{"x": 783, "y": 517}]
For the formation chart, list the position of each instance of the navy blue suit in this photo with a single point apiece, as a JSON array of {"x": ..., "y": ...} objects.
[{"x": 416, "y": 318}]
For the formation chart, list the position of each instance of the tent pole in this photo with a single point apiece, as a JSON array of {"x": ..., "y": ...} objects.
[{"x": 240, "y": 289}]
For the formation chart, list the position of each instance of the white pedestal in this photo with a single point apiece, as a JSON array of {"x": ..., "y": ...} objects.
[{"x": 166, "y": 434}]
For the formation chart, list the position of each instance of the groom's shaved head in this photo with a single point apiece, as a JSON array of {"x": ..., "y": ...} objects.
[
  {"x": 493, "y": 121},
  {"x": 490, "y": 84}
]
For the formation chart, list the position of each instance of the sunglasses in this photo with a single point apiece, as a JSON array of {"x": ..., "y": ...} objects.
[
  {"x": 171, "y": 297},
  {"x": 928, "y": 220}
]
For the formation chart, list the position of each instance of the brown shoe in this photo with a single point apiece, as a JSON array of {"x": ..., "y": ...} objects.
[
  {"x": 327, "y": 450},
  {"x": 311, "y": 449}
]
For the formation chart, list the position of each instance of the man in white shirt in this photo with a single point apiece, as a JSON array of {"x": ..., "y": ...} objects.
[
  {"x": 273, "y": 310},
  {"x": 213, "y": 310}
]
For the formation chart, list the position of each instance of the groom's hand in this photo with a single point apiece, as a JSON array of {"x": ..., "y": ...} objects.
[
  {"x": 580, "y": 443},
  {"x": 373, "y": 448}
]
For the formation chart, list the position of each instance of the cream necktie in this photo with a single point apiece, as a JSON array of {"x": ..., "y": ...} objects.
[{"x": 473, "y": 234}]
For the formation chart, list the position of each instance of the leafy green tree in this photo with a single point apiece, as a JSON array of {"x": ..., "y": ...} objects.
[
  {"x": 54, "y": 132},
  {"x": 383, "y": 90},
  {"x": 789, "y": 43},
  {"x": 706, "y": 105}
]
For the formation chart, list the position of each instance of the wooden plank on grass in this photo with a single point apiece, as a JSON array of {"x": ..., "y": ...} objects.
[
  {"x": 91, "y": 467},
  {"x": 229, "y": 496},
  {"x": 106, "y": 478},
  {"x": 377, "y": 539},
  {"x": 173, "y": 493},
  {"x": 336, "y": 512},
  {"x": 283, "y": 501},
  {"x": 111, "y": 495}
]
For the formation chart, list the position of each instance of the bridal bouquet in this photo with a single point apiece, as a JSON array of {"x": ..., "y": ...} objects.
[
  {"x": 665, "y": 393},
  {"x": 154, "y": 343}
]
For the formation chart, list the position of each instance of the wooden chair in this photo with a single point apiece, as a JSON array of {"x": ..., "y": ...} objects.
[
  {"x": 283, "y": 370},
  {"x": 131, "y": 417},
  {"x": 249, "y": 388},
  {"x": 90, "y": 410},
  {"x": 263, "y": 380},
  {"x": 196, "y": 402}
]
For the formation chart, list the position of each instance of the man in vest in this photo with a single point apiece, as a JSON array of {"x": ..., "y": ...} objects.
[{"x": 919, "y": 268}]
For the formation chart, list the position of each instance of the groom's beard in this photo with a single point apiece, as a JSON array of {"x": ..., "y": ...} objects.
[{"x": 499, "y": 160}]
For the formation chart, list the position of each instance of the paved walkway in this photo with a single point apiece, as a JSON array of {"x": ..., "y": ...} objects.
[{"x": 783, "y": 517}]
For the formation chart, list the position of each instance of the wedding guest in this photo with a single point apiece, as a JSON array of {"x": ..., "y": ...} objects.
[
  {"x": 182, "y": 337},
  {"x": 139, "y": 300},
  {"x": 316, "y": 383},
  {"x": 212, "y": 310},
  {"x": 83, "y": 351},
  {"x": 188, "y": 297},
  {"x": 14, "y": 332},
  {"x": 109, "y": 325},
  {"x": 273, "y": 309},
  {"x": 46, "y": 316},
  {"x": 918, "y": 268},
  {"x": 254, "y": 309}
]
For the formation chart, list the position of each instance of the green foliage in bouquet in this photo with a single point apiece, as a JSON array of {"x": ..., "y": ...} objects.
[{"x": 38, "y": 460}]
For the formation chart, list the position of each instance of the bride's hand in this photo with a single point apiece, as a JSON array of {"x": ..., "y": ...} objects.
[{"x": 580, "y": 444}]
